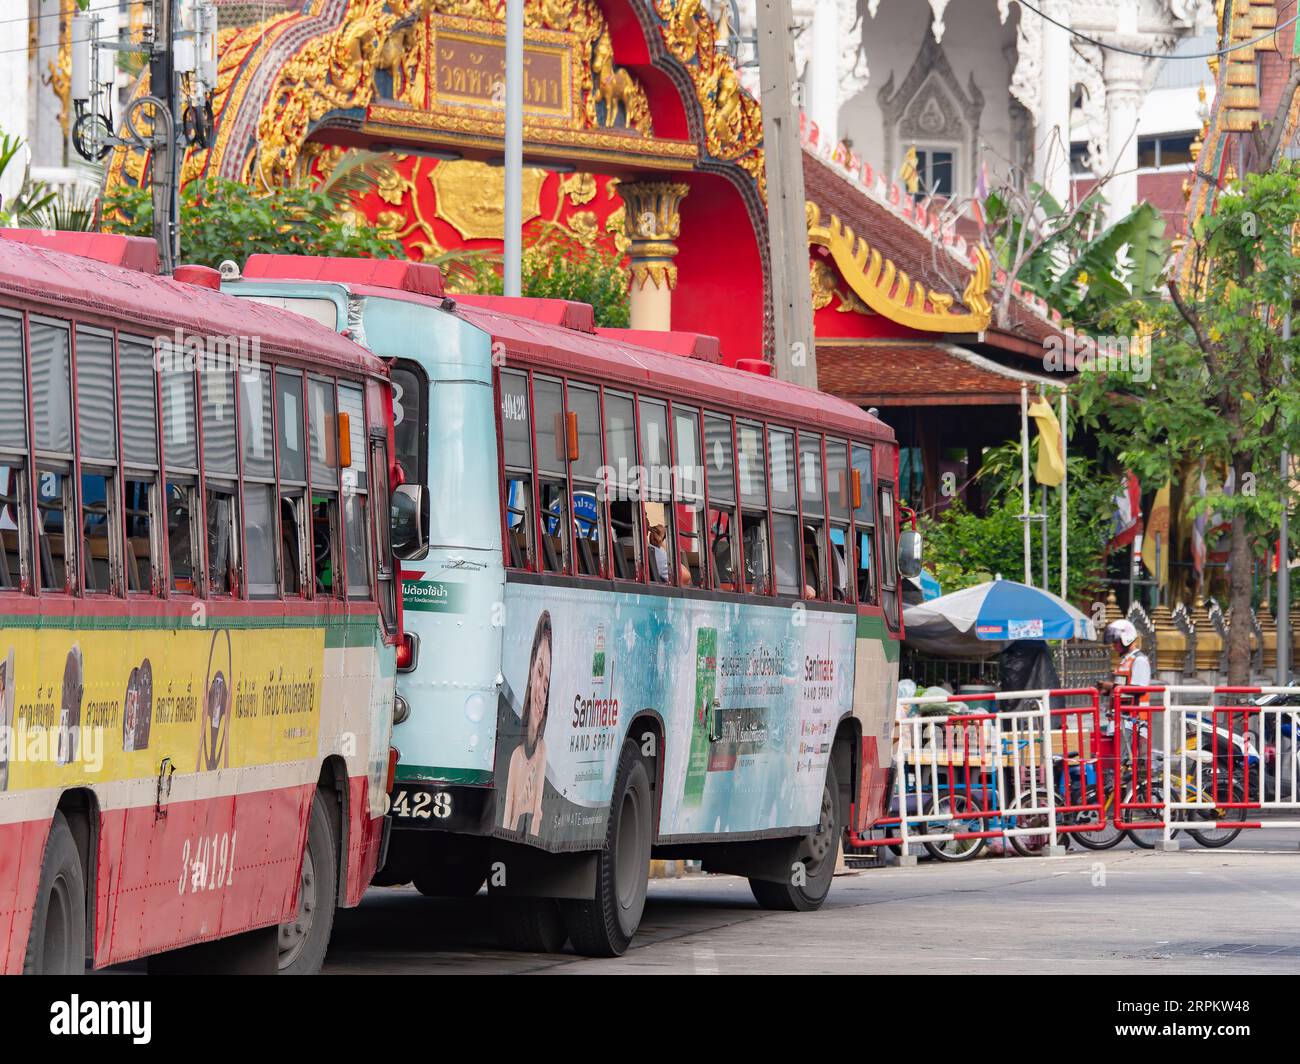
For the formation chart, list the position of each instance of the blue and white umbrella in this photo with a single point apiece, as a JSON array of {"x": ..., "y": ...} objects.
[{"x": 979, "y": 621}]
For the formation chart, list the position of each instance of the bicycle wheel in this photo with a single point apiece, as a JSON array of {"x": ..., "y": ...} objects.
[
  {"x": 954, "y": 849},
  {"x": 1214, "y": 837},
  {"x": 1145, "y": 837},
  {"x": 1103, "y": 837},
  {"x": 1030, "y": 845}
]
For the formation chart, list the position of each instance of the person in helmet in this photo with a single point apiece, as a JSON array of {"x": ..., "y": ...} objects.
[{"x": 1134, "y": 667}]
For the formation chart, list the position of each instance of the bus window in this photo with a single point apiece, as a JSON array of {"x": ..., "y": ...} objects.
[
  {"x": 181, "y": 461},
  {"x": 323, "y": 437},
  {"x": 410, "y": 419},
  {"x": 688, "y": 474},
  {"x": 812, "y": 500},
  {"x": 864, "y": 520},
  {"x": 752, "y": 478},
  {"x": 719, "y": 477},
  {"x": 888, "y": 556},
  {"x": 220, "y": 469},
  {"x": 588, "y": 537},
  {"x": 101, "y": 537},
  {"x": 15, "y": 511},
  {"x": 552, "y": 467},
  {"x": 839, "y": 501},
  {"x": 657, "y": 496},
  {"x": 786, "y": 539},
  {"x": 291, "y": 455},
  {"x": 517, "y": 443},
  {"x": 257, "y": 445},
  {"x": 386, "y": 578},
  {"x": 623, "y": 487},
  {"x": 359, "y": 559},
  {"x": 52, "y": 420},
  {"x": 139, "y": 417},
  {"x": 325, "y": 542},
  {"x": 223, "y": 555}
]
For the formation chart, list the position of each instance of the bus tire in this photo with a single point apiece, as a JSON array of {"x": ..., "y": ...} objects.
[
  {"x": 56, "y": 944},
  {"x": 817, "y": 853},
  {"x": 304, "y": 939},
  {"x": 530, "y": 925},
  {"x": 604, "y": 926}
]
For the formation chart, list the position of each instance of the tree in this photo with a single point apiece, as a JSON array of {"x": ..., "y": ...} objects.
[
  {"x": 963, "y": 549},
  {"x": 558, "y": 266},
  {"x": 1062, "y": 252},
  {"x": 1219, "y": 387},
  {"x": 222, "y": 219}
]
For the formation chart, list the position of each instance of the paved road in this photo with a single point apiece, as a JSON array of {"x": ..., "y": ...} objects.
[{"x": 1125, "y": 910}]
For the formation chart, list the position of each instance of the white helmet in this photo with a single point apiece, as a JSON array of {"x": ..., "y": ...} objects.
[{"x": 1121, "y": 632}]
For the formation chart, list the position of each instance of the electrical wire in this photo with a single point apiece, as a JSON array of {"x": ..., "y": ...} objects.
[{"x": 1157, "y": 55}]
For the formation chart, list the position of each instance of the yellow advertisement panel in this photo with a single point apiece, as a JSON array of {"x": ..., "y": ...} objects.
[{"x": 92, "y": 706}]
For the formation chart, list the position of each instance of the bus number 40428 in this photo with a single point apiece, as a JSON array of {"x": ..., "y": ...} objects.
[{"x": 420, "y": 805}]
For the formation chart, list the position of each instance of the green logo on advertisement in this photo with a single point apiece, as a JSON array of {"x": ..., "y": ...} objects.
[{"x": 433, "y": 596}]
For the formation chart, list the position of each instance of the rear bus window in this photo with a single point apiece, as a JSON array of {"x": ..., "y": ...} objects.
[
  {"x": 517, "y": 440},
  {"x": 56, "y": 521},
  {"x": 15, "y": 504},
  {"x": 356, "y": 497},
  {"x": 724, "y": 550},
  {"x": 139, "y": 417}
]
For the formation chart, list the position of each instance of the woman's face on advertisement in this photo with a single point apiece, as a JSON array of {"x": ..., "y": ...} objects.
[{"x": 539, "y": 684}]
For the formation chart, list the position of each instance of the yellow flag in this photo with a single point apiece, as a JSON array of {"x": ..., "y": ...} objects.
[
  {"x": 1050, "y": 469},
  {"x": 1157, "y": 525},
  {"x": 909, "y": 175}
]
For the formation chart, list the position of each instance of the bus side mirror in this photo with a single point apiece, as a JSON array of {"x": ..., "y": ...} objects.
[
  {"x": 857, "y": 488},
  {"x": 571, "y": 424},
  {"x": 909, "y": 554},
  {"x": 410, "y": 520}
]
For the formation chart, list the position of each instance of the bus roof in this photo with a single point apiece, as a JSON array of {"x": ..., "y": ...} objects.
[
  {"x": 613, "y": 361},
  {"x": 57, "y": 278}
]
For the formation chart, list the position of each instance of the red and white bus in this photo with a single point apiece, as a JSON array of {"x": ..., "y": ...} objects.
[{"x": 197, "y": 616}]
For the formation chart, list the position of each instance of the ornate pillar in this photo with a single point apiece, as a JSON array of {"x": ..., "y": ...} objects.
[
  {"x": 1052, "y": 130},
  {"x": 821, "y": 76},
  {"x": 1123, "y": 75},
  {"x": 652, "y": 223}
]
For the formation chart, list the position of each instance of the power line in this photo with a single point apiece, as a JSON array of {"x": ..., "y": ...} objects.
[
  {"x": 56, "y": 14},
  {"x": 1219, "y": 53}
]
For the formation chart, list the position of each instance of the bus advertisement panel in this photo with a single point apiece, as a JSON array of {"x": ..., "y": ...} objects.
[{"x": 753, "y": 696}]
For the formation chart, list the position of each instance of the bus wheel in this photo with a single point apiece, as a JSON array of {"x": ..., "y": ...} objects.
[
  {"x": 817, "y": 855},
  {"x": 532, "y": 925},
  {"x": 604, "y": 926},
  {"x": 56, "y": 944},
  {"x": 455, "y": 869},
  {"x": 304, "y": 939}
]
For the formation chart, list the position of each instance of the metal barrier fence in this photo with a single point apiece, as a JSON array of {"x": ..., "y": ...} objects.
[
  {"x": 1188, "y": 759},
  {"x": 1027, "y": 769}
]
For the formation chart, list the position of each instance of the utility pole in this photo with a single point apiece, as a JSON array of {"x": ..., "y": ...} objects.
[
  {"x": 794, "y": 356},
  {"x": 1283, "y": 612},
  {"x": 182, "y": 54},
  {"x": 162, "y": 84},
  {"x": 514, "y": 148}
]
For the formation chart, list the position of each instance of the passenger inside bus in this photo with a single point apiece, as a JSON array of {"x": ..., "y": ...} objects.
[
  {"x": 180, "y": 531},
  {"x": 624, "y": 518},
  {"x": 324, "y": 532},
  {"x": 756, "y": 552},
  {"x": 222, "y": 576},
  {"x": 812, "y": 561},
  {"x": 290, "y": 546}
]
